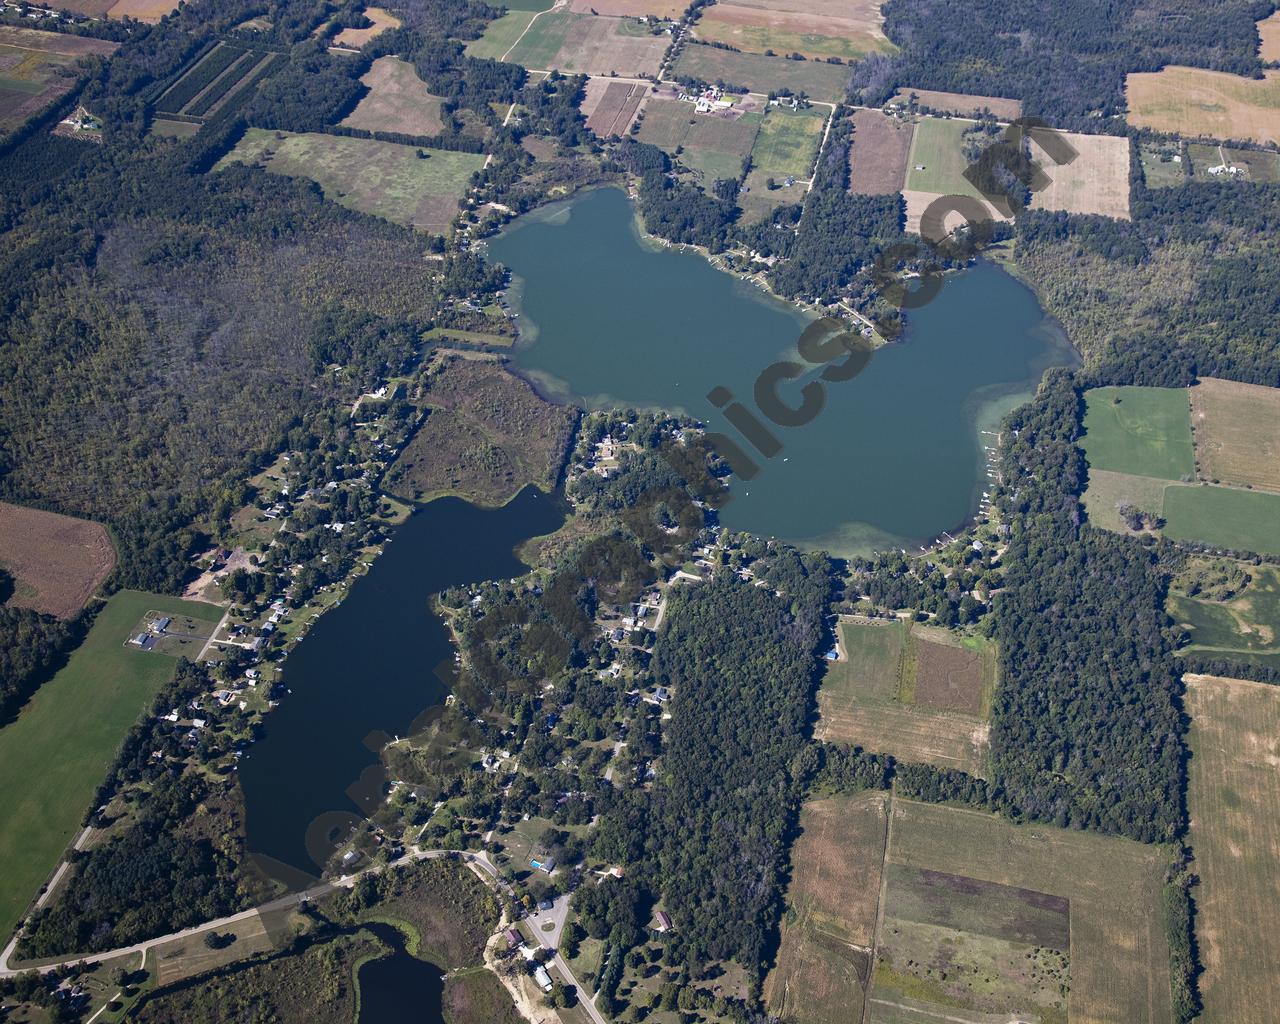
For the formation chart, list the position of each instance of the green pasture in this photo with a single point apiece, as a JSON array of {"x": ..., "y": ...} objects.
[
  {"x": 541, "y": 45},
  {"x": 1223, "y": 516},
  {"x": 788, "y": 142},
  {"x": 1242, "y": 629},
  {"x": 500, "y": 35},
  {"x": 1143, "y": 431},
  {"x": 380, "y": 178},
  {"x": 937, "y": 161},
  {"x": 754, "y": 71},
  {"x": 58, "y": 750}
]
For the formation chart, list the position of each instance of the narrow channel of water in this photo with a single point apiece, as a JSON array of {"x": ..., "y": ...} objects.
[
  {"x": 365, "y": 672},
  {"x": 894, "y": 458}
]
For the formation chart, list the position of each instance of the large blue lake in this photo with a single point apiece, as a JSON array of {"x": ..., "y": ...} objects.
[{"x": 894, "y": 458}]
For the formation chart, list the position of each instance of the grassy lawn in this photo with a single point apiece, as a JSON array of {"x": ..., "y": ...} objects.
[
  {"x": 1143, "y": 431},
  {"x": 59, "y": 749},
  {"x": 381, "y": 178},
  {"x": 759, "y": 73},
  {"x": 938, "y": 149},
  {"x": 542, "y": 43},
  {"x": 788, "y": 142},
  {"x": 501, "y": 34},
  {"x": 1235, "y": 519},
  {"x": 444, "y": 335},
  {"x": 761, "y": 37},
  {"x": 1244, "y": 627}
]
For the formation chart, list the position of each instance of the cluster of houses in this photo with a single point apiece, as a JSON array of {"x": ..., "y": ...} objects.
[{"x": 711, "y": 100}]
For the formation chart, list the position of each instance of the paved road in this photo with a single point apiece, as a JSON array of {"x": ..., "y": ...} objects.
[{"x": 281, "y": 903}]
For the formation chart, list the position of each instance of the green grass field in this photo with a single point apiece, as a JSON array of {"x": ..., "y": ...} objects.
[
  {"x": 1143, "y": 431},
  {"x": 381, "y": 178},
  {"x": 788, "y": 142},
  {"x": 1161, "y": 173},
  {"x": 713, "y": 146},
  {"x": 500, "y": 35},
  {"x": 1236, "y": 519},
  {"x": 1108, "y": 491},
  {"x": 586, "y": 44},
  {"x": 56, "y": 753},
  {"x": 1245, "y": 628},
  {"x": 938, "y": 149},
  {"x": 754, "y": 71},
  {"x": 763, "y": 37}
]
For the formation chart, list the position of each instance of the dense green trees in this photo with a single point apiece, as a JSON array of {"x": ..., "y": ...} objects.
[
  {"x": 32, "y": 646},
  {"x": 1086, "y": 725},
  {"x": 1065, "y": 61}
]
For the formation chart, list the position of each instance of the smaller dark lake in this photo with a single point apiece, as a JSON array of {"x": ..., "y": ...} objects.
[
  {"x": 399, "y": 987},
  {"x": 365, "y": 672}
]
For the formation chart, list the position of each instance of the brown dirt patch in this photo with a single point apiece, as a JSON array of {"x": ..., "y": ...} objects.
[
  {"x": 961, "y": 104},
  {"x": 1195, "y": 102},
  {"x": 150, "y": 11},
  {"x": 398, "y": 101},
  {"x": 878, "y": 153},
  {"x": 1237, "y": 433},
  {"x": 611, "y": 109},
  {"x": 57, "y": 561},
  {"x": 357, "y": 37},
  {"x": 948, "y": 678}
]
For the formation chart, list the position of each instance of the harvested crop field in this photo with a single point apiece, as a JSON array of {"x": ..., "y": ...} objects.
[
  {"x": 1237, "y": 433},
  {"x": 398, "y": 101},
  {"x": 486, "y": 436},
  {"x": 1233, "y": 797},
  {"x": 382, "y": 178},
  {"x": 712, "y": 144},
  {"x": 150, "y": 11},
  {"x": 586, "y": 44},
  {"x": 57, "y": 562},
  {"x": 961, "y": 104},
  {"x": 1269, "y": 33},
  {"x": 1192, "y": 101},
  {"x": 1095, "y": 181},
  {"x": 37, "y": 68},
  {"x": 823, "y": 961},
  {"x": 847, "y": 31},
  {"x": 907, "y": 692},
  {"x": 1005, "y": 886},
  {"x": 671, "y": 9},
  {"x": 610, "y": 107},
  {"x": 357, "y": 37},
  {"x": 758, "y": 73},
  {"x": 878, "y": 153}
]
